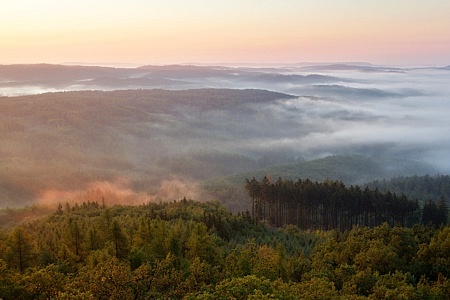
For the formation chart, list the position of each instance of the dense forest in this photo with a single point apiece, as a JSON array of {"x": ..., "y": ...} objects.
[
  {"x": 423, "y": 188},
  {"x": 192, "y": 250},
  {"x": 332, "y": 205}
]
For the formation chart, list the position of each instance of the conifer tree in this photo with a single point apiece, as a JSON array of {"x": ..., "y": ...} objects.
[{"x": 21, "y": 252}]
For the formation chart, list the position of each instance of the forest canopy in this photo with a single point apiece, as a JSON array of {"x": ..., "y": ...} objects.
[{"x": 191, "y": 250}]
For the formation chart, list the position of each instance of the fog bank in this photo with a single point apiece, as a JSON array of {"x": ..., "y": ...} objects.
[{"x": 143, "y": 144}]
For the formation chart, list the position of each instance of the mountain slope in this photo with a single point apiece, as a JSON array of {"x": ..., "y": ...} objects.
[{"x": 66, "y": 141}]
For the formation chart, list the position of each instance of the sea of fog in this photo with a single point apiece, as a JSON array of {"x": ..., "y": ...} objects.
[
  {"x": 403, "y": 113},
  {"x": 382, "y": 111},
  {"x": 388, "y": 113}
]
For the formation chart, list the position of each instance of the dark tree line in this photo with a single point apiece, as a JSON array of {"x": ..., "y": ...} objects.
[
  {"x": 435, "y": 213},
  {"x": 331, "y": 205}
]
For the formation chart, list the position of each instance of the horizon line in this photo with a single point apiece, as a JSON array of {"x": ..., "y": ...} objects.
[{"x": 124, "y": 65}]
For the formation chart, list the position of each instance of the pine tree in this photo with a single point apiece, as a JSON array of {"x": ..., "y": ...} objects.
[
  {"x": 21, "y": 249},
  {"x": 119, "y": 240},
  {"x": 443, "y": 211}
]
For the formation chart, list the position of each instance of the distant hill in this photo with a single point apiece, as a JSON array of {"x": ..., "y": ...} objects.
[
  {"x": 422, "y": 188},
  {"x": 363, "y": 67},
  {"x": 351, "y": 169},
  {"x": 57, "y": 145},
  {"x": 38, "y": 78}
]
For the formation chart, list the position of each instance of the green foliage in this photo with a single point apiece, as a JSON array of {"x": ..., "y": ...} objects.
[
  {"x": 109, "y": 279},
  {"x": 435, "y": 255},
  {"x": 435, "y": 214},
  {"x": 193, "y": 250},
  {"x": 317, "y": 288},
  {"x": 394, "y": 286},
  {"x": 243, "y": 288},
  {"x": 44, "y": 283},
  {"x": 21, "y": 249}
]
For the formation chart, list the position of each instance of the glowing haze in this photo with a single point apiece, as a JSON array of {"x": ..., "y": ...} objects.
[{"x": 401, "y": 32}]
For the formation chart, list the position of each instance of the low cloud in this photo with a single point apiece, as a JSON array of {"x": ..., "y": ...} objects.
[{"x": 120, "y": 191}]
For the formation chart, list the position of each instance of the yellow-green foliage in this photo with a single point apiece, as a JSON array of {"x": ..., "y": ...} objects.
[{"x": 193, "y": 250}]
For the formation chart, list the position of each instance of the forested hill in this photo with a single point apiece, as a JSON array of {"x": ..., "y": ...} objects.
[
  {"x": 351, "y": 169},
  {"x": 192, "y": 250},
  {"x": 38, "y": 78},
  {"x": 416, "y": 187},
  {"x": 151, "y": 100},
  {"x": 66, "y": 142}
]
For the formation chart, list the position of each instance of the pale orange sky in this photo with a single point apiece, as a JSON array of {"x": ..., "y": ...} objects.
[{"x": 400, "y": 32}]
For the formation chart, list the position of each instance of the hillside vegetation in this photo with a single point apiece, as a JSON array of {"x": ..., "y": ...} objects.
[
  {"x": 192, "y": 250},
  {"x": 423, "y": 188},
  {"x": 59, "y": 145}
]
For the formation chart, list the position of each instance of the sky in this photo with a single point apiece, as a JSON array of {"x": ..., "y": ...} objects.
[{"x": 401, "y": 32}]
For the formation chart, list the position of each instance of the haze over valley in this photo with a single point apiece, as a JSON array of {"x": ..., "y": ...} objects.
[
  {"x": 164, "y": 132},
  {"x": 224, "y": 149}
]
